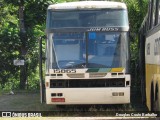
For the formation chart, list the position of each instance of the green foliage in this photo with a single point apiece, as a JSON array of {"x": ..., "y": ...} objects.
[
  {"x": 9, "y": 43},
  {"x": 33, "y": 81},
  {"x": 35, "y": 17},
  {"x": 137, "y": 10}
]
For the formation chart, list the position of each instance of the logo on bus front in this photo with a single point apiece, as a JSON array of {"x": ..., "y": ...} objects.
[{"x": 103, "y": 29}]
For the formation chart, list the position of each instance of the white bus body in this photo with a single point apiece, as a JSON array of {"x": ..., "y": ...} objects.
[{"x": 87, "y": 53}]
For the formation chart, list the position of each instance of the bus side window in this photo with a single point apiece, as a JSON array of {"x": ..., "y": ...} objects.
[
  {"x": 150, "y": 14},
  {"x": 153, "y": 13},
  {"x": 158, "y": 11}
]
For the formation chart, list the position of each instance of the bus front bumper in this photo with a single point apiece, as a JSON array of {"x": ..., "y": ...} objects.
[{"x": 66, "y": 96}]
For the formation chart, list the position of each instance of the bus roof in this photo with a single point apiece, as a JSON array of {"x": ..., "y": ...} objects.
[{"x": 88, "y": 5}]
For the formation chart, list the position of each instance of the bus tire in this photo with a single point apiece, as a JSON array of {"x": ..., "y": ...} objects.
[
  {"x": 157, "y": 99},
  {"x": 152, "y": 98}
]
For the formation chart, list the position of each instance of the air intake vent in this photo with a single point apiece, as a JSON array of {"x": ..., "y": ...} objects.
[
  {"x": 97, "y": 75},
  {"x": 80, "y": 75}
]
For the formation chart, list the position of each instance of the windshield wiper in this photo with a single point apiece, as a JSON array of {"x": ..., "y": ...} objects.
[
  {"x": 80, "y": 65},
  {"x": 89, "y": 65}
]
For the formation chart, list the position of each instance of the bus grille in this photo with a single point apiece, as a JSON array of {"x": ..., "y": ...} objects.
[{"x": 87, "y": 83}]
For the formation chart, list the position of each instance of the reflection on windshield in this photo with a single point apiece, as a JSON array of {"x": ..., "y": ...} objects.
[
  {"x": 70, "y": 49},
  {"x": 96, "y": 50},
  {"x": 102, "y": 48}
]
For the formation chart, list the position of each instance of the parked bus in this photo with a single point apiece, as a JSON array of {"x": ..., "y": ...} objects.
[
  {"x": 87, "y": 53},
  {"x": 149, "y": 54}
]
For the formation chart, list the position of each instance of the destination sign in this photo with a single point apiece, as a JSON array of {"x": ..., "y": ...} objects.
[{"x": 70, "y": 35}]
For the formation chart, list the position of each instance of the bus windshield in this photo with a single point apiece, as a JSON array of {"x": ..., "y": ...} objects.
[
  {"x": 88, "y": 18},
  {"x": 90, "y": 50}
]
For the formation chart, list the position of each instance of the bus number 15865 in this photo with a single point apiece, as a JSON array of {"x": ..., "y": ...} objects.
[{"x": 64, "y": 71}]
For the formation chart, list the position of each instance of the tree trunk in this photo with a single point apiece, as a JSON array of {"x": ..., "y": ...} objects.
[
  {"x": 23, "y": 50},
  {"x": 23, "y": 77}
]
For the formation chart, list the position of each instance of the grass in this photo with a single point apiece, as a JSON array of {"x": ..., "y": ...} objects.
[
  {"x": 2, "y": 92},
  {"x": 23, "y": 101}
]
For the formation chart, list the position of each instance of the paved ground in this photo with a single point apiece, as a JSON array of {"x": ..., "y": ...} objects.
[{"x": 22, "y": 102}]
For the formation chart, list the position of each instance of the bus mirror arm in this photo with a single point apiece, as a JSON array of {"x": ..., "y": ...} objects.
[{"x": 42, "y": 86}]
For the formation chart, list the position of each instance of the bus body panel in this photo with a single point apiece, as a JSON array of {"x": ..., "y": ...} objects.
[
  {"x": 90, "y": 95},
  {"x": 88, "y": 5}
]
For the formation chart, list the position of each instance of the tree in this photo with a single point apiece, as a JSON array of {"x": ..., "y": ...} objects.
[
  {"x": 137, "y": 10},
  {"x": 28, "y": 22},
  {"x": 9, "y": 40}
]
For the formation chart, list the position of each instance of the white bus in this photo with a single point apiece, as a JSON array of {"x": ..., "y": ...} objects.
[{"x": 87, "y": 53}]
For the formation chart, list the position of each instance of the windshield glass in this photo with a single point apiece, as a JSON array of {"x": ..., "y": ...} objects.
[
  {"x": 88, "y": 18},
  {"x": 69, "y": 49},
  {"x": 90, "y": 50}
]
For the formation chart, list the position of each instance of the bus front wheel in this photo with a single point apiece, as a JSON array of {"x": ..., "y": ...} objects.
[
  {"x": 157, "y": 99},
  {"x": 152, "y": 98}
]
